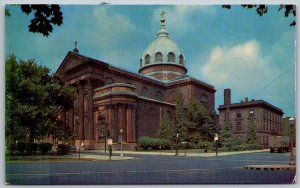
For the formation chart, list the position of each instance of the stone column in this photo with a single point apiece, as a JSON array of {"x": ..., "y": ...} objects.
[
  {"x": 133, "y": 126},
  {"x": 80, "y": 110},
  {"x": 122, "y": 120},
  {"x": 129, "y": 124},
  {"x": 71, "y": 119},
  {"x": 115, "y": 116},
  {"x": 109, "y": 118},
  {"x": 90, "y": 92}
]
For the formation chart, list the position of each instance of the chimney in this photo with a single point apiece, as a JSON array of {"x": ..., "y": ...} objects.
[
  {"x": 227, "y": 96},
  {"x": 246, "y": 99}
]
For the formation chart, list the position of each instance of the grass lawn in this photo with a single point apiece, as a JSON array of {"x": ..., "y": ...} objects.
[{"x": 43, "y": 158}]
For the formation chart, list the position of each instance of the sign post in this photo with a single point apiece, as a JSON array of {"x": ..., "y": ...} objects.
[
  {"x": 216, "y": 138},
  {"x": 109, "y": 143},
  {"x": 176, "y": 144},
  {"x": 121, "y": 132}
]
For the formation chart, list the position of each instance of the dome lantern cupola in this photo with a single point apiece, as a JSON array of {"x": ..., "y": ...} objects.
[{"x": 162, "y": 59}]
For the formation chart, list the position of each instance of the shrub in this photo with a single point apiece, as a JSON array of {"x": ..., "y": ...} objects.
[
  {"x": 63, "y": 149},
  {"x": 31, "y": 148},
  {"x": 44, "y": 147},
  {"x": 21, "y": 147},
  {"x": 201, "y": 145},
  {"x": 252, "y": 146},
  {"x": 154, "y": 143}
]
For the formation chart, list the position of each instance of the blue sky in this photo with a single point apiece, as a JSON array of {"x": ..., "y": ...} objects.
[{"x": 237, "y": 49}]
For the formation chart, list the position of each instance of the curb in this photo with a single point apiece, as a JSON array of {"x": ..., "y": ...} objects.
[{"x": 270, "y": 167}]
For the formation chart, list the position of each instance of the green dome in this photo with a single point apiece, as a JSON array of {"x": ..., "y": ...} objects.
[{"x": 162, "y": 50}]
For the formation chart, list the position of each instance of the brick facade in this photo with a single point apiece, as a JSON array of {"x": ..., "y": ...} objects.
[
  {"x": 266, "y": 117},
  {"x": 109, "y": 99}
]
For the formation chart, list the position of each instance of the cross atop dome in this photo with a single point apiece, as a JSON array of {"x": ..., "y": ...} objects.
[
  {"x": 75, "y": 49},
  {"x": 162, "y": 20},
  {"x": 162, "y": 59}
]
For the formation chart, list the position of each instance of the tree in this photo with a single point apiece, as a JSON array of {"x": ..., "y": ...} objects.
[
  {"x": 251, "y": 133},
  {"x": 45, "y": 17},
  {"x": 12, "y": 122},
  {"x": 226, "y": 133},
  {"x": 166, "y": 131},
  {"x": 200, "y": 124},
  {"x": 180, "y": 121},
  {"x": 35, "y": 98},
  {"x": 289, "y": 10}
]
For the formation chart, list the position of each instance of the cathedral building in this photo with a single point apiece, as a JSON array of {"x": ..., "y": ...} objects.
[{"x": 115, "y": 103}]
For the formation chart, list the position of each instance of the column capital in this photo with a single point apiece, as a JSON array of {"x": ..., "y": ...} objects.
[
  {"x": 122, "y": 106},
  {"x": 110, "y": 106},
  {"x": 132, "y": 106}
]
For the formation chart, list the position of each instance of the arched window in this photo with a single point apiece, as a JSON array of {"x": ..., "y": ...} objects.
[
  {"x": 158, "y": 57},
  {"x": 152, "y": 122},
  {"x": 203, "y": 100},
  {"x": 158, "y": 95},
  {"x": 171, "y": 97},
  {"x": 144, "y": 92},
  {"x": 171, "y": 57},
  {"x": 109, "y": 81},
  {"x": 147, "y": 59},
  {"x": 181, "y": 59}
]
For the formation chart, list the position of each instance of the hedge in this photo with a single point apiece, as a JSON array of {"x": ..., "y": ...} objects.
[
  {"x": 153, "y": 143},
  {"x": 44, "y": 147}
]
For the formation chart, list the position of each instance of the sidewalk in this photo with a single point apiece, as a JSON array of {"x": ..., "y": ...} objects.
[
  {"x": 202, "y": 154},
  {"x": 103, "y": 157}
]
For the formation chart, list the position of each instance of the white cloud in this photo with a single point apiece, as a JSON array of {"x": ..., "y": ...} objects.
[
  {"x": 111, "y": 32},
  {"x": 241, "y": 67}
]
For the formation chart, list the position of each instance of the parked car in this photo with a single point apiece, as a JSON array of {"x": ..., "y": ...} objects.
[{"x": 72, "y": 149}]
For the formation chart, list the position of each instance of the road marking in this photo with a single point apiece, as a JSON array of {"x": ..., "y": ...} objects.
[
  {"x": 246, "y": 160},
  {"x": 127, "y": 171}
]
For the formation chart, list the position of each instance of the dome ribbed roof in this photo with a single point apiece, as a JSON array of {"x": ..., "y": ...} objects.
[{"x": 165, "y": 48}]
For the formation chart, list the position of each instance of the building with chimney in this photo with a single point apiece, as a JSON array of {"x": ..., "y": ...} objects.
[
  {"x": 115, "y": 103},
  {"x": 266, "y": 117}
]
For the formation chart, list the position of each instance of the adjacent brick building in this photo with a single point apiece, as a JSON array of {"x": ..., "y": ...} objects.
[
  {"x": 111, "y": 99},
  {"x": 266, "y": 117}
]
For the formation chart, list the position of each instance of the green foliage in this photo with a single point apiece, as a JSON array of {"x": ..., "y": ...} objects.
[
  {"x": 251, "y": 133},
  {"x": 166, "y": 131},
  {"x": 44, "y": 147},
  {"x": 180, "y": 119},
  {"x": 44, "y": 17},
  {"x": 12, "y": 95},
  {"x": 226, "y": 134},
  {"x": 200, "y": 124},
  {"x": 147, "y": 142},
  {"x": 289, "y": 10},
  {"x": 201, "y": 145},
  {"x": 33, "y": 100}
]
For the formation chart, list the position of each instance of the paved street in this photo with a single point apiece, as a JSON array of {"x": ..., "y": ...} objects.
[{"x": 154, "y": 169}]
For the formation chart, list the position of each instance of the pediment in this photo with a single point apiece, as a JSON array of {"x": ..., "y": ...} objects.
[{"x": 71, "y": 61}]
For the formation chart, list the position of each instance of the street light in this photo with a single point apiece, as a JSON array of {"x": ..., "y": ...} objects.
[
  {"x": 121, "y": 132},
  {"x": 292, "y": 125}
]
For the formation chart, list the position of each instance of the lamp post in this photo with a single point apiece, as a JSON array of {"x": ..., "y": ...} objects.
[
  {"x": 121, "y": 132},
  {"x": 292, "y": 125},
  {"x": 176, "y": 144}
]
